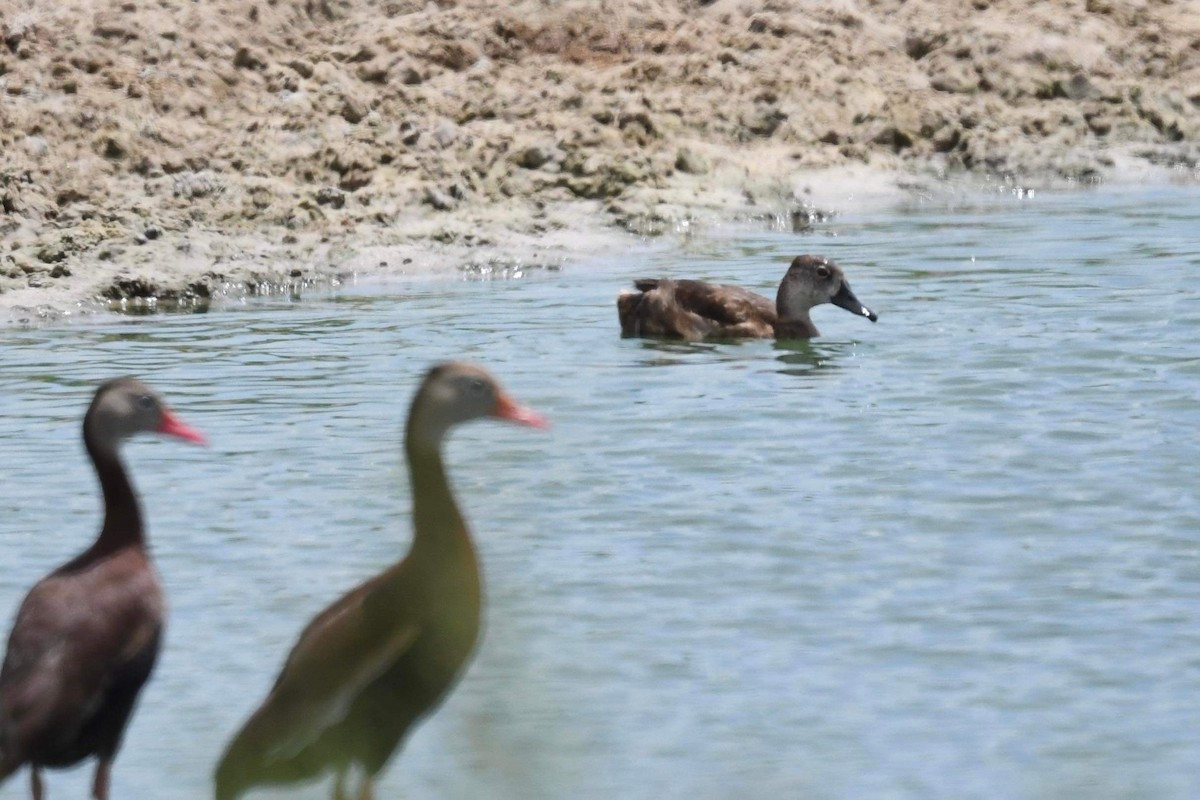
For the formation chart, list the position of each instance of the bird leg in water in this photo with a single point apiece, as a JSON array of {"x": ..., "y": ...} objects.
[
  {"x": 35, "y": 783},
  {"x": 100, "y": 783},
  {"x": 367, "y": 792}
]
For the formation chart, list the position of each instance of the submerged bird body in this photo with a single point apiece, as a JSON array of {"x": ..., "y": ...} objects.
[
  {"x": 86, "y": 636},
  {"x": 370, "y": 666},
  {"x": 695, "y": 310}
]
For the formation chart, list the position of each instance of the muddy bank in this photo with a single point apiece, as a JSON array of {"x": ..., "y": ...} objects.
[{"x": 177, "y": 150}]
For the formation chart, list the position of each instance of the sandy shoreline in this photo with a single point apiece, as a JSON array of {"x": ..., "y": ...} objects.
[{"x": 171, "y": 152}]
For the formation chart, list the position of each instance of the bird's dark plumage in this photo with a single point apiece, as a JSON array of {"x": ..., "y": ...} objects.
[{"x": 87, "y": 635}]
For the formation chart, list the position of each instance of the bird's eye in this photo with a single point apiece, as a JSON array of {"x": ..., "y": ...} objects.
[
  {"x": 823, "y": 271},
  {"x": 145, "y": 402},
  {"x": 478, "y": 387}
]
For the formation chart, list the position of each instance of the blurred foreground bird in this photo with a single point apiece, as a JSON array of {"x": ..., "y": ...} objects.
[
  {"x": 375, "y": 662},
  {"x": 87, "y": 635}
]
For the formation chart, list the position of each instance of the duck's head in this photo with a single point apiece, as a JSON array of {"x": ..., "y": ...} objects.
[
  {"x": 124, "y": 407},
  {"x": 454, "y": 393},
  {"x": 811, "y": 281}
]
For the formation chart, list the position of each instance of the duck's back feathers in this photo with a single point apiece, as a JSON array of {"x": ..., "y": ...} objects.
[
  {"x": 693, "y": 310},
  {"x": 80, "y": 650}
]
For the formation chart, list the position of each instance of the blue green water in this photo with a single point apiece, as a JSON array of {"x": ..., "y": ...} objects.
[{"x": 954, "y": 554}]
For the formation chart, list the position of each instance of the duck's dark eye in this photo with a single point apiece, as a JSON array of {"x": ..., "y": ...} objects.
[
  {"x": 478, "y": 387},
  {"x": 823, "y": 271},
  {"x": 145, "y": 402}
]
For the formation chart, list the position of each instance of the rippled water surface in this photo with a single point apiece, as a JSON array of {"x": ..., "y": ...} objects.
[{"x": 955, "y": 554}]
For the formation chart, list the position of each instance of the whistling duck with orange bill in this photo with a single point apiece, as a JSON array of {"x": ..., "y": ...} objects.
[
  {"x": 694, "y": 310},
  {"x": 87, "y": 635},
  {"x": 375, "y": 662}
]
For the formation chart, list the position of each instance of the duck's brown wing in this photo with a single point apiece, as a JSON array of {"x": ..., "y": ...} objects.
[
  {"x": 338, "y": 654},
  {"x": 727, "y": 307},
  {"x": 654, "y": 311},
  {"x": 694, "y": 310},
  {"x": 629, "y": 311},
  {"x": 340, "y": 651},
  {"x": 79, "y": 652}
]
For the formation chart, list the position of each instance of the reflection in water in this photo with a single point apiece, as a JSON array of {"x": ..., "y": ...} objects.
[
  {"x": 673, "y": 352},
  {"x": 806, "y": 357},
  {"x": 799, "y": 357}
]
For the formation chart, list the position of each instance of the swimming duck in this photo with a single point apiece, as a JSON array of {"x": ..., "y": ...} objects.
[
  {"x": 374, "y": 663},
  {"x": 694, "y": 310}
]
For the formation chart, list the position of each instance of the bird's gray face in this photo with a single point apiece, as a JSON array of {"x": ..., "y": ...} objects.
[
  {"x": 811, "y": 281},
  {"x": 127, "y": 407},
  {"x": 461, "y": 396},
  {"x": 462, "y": 392}
]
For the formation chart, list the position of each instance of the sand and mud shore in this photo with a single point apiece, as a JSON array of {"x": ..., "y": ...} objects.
[{"x": 174, "y": 151}]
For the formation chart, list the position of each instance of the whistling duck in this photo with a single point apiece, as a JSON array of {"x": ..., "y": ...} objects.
[
  {"x": 375, "y": 662},
  {"x": 694, "y": 310},
  {"x": 87, "y": 635}
]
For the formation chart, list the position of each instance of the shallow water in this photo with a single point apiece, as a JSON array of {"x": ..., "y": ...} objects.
[{"x": 955, "y": 554}]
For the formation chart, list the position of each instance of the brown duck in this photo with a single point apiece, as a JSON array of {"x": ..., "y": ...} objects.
[
  {"x": 87, "y": 635},
  {"x": 375, "y": 662},
  {"x": 694, "y": 310}
]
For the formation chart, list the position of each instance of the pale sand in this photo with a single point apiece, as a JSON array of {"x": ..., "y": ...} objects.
[{"x": 183, "y": 151}]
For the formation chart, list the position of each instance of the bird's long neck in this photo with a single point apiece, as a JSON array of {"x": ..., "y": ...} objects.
[
  {"x": 122, "y": 513},
  {"x": 793, "y": 323},
  {"x": 796, "y": 328},
  {"x": 439, "y": 531},
  {"x": 444, "y": 583}
]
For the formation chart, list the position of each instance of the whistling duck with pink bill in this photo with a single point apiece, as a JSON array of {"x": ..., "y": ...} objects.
[
  {"x": 694, "y": 310},
  {"x": 375, "y": 662},
  {"x": 87, "y": 635}
]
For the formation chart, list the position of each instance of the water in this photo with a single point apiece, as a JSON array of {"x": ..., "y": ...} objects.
[{"x": 951, "y": 555}]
